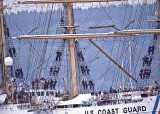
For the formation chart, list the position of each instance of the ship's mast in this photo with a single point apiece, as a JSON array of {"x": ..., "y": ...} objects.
[
  {"x": 3, "y": 53},
  {"x": 158, "y": 9},
  {"x": 68, "y": 9}
]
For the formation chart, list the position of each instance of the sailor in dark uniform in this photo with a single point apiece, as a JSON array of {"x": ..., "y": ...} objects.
[{"x": 10, "y": 52}]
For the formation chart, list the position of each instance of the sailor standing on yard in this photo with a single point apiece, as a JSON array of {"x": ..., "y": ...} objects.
[
  {"x": 155, "y": 36},
  {"x": 86, "y": 67},
  {"x": 14, "y": 51},
  {"x": 16, "y": 73},
  {"x": 54, "y": 84},
  {"x": 149, "y": 49},
  {"x": 50, "y": 70},
  {"x": 58, "y": 57},
  {"x": 152, "y": 49},
  {"x": 141, "y": 73},
  {"x": 10, "y": 52},
  {"x": 150, "y": 61},
  {"x": 21, "y": 73},
  {"x": 145, "y": 60},
  {"x": 62, "y": 20},
  {"x": 8, "y": 32},
  {"x": 91, "y": 84}
]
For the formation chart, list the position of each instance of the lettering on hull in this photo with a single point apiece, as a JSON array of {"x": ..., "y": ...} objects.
[
  {"x": 116, "y": 110},
  {"x": 134, "y": 109}
]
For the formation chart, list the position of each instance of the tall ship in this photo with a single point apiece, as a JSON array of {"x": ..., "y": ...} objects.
[{"x": 108, "y": 67}]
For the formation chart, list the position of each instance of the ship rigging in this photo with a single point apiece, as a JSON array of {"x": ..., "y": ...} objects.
[{"x": 44, "y": 86}]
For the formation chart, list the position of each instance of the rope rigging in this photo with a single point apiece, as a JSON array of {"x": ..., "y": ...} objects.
[
  {"x": 38, "y": 63},
  {"x": 16, "y": 69}
]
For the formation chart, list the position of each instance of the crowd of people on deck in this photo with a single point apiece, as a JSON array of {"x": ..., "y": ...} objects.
[
  {"x": 105, "y": 95},
  {"x": 49, "y": 84}
]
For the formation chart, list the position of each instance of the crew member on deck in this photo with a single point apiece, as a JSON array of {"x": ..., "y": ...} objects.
[
  {"x": 51, "y": 84},
  {"x": 111, "y": 90},
  {"x": 104, "y": 96},
  {"x": 36, "y": 83},
  {"x": 33, "y": 84},
  {"x": 46, "y": 84}
]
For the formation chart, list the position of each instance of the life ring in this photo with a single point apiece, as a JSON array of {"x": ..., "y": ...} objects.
[{"x": 104, "y": 97}]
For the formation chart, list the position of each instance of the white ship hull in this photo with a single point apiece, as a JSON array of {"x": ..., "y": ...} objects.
[
  {"x": 2, "y": 98},
  {"x": 149, "y": 105}
]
